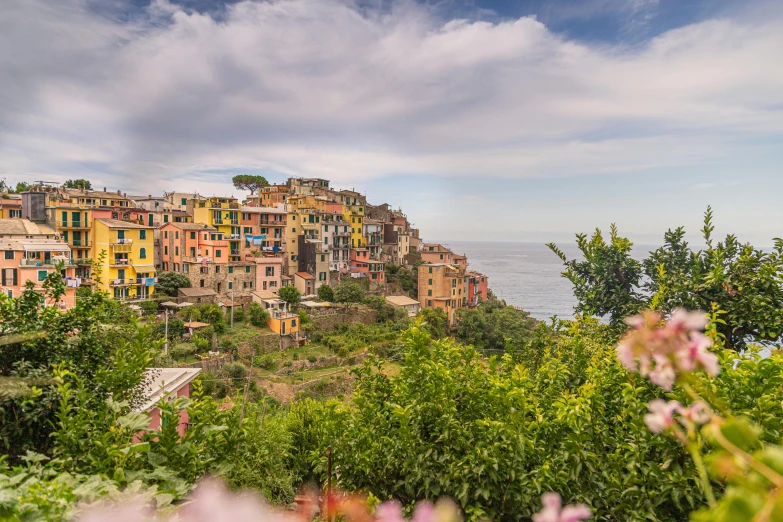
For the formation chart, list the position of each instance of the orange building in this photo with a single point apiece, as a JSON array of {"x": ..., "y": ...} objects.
[{"x": 444, "y": 287}]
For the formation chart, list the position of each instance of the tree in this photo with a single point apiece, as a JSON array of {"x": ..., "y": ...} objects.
[
  {"x": 249, "y": 182},
  {"x": 22, "y": 187},
  {"x": 169, "y": 282},
  {"x": 290, "y": 295},
  {"x": 435, "y": 322},
  {"x": 78, "y": 184},
  {"x": 257, "y": 315},
  {"x": 739, "y": 281},
  {"x": 349, "y": 292},
  {"x": 325, "y": 293}
]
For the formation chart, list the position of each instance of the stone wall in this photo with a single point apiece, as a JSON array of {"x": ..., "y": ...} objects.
[
  {"x": 211, "y": 365},
  {"x": 329, "y": 322},
  {"x": 218, "y": 281}
]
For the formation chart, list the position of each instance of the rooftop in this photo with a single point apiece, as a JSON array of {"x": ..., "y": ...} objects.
[
  {"x": 196, "y": 292},
  {"x": 164, "y": 382},
  {"x": 24, "y": 227},
  {"x": 401, "y": 300},
  {"x": 304, "y": 275},
  {"x": 192, "y": 226},
  {"x": 116, "y": 223}
]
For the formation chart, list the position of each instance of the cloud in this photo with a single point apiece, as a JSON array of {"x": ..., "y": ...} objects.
[{"x": 322, "y": 88}]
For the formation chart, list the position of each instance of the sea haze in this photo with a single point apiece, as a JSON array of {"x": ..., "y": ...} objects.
[{"x": 528, "y": 275}]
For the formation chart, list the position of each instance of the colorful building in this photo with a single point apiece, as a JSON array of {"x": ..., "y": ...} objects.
[
  {"x": 478, "y": 288},
  {"x": 31, "y": 252},
  {"x": 10, "y": 206},
  {"x": 201, "y": 253},
  {"x": 443, "y": 287},
  {"x": 263, "y": 229},
  {"x": 223, "y": 214},
  {"x": 167, "y": 384},
  {"x": 125, "y": 258}
]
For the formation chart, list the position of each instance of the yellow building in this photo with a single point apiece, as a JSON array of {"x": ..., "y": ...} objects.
[
  {"x": 354, "y": 215},
  {"x": 127, "y": 270},
  {"x": 224, "y": 215},
  {"x": 283, "y": 323}
]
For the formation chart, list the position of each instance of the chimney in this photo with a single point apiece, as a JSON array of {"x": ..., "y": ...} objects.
[
  {"x": 119, "y": 192},
  {"x": 104, "y": 189}
]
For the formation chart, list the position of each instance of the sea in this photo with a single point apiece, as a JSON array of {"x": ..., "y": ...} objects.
[{"x": 527, "y": 275}]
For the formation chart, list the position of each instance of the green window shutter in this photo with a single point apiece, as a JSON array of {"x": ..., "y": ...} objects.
[
  {"x": 230, "y": 270},
  {"x": 42, "y": 275},
  {"x": 192, "y": 235},
  {"x": 247, "y": 269}
]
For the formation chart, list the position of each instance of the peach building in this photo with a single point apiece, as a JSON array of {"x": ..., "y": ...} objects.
[
  {"x": 436, "y": 253},
  {"x": 269, "y": 270},
  {"x": 444, "y": 287}
]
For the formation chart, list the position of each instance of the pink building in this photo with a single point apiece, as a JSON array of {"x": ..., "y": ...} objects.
[
  {"x": 263, "y": 229},
  {"x": 436, "y": 253},
  {"x": 478, "y": 287},
  {"x": 269, "y": 270},
  {"x": 360, "y": 262},
  {"x": 168, "y": 384}
]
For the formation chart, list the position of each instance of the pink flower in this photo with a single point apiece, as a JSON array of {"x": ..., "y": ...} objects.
[
  {"x": 552, "y": 511},
  {"x": 697, "y": 413},
  {"x": 685, "y": 321},
  {"x": 661, "y": 416},
  {"x": 389, "y": 512},
  {"x": 663, "y": 375},
  {"x": 695, "y": 355}
]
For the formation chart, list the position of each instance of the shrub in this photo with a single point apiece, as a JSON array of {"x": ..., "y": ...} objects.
[
  {"x": 235, "y": 370},
  {"x": 149, "y": 307},
  {"x": 239, "y": 314},
  {"x": 257, "y": 315},
  {"x": 202, "y": 345},
  {"x": 288, "y": 364},
  {"x": 312, "y": 358},
  {"x": 295, "y": 356},
  {"x": 325, "y": 293},
  {"x": 183, "y": 350},
  {"x": 265, "y": 361}
]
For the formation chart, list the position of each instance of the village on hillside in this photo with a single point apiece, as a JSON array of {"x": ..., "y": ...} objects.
[{"x": 302, "y": 233}]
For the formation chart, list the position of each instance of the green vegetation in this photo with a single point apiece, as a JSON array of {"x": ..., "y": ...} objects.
[
  {"x": 349, "y": 292},
  {"x": 290, "y": 295},
  {"x": 257, "y": 315},
  {"x": 80, "y": 183},
  {"x": 249, "y": 182},
  {"x": 741, "y": 280},
  {"x": 325, "y": 293},
  {"x": 169, "y": 282}
]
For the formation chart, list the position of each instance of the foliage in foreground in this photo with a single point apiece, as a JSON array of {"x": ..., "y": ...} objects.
[
  {"x": 743, "y": 281},
  {"x": 496, "y": 435}
]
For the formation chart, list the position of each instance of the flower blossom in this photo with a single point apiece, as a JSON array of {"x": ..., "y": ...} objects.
[
  {"x": 663, "y": 351},
  {"x": 553, "y": 511},
  {"x": 661, "y": 416},
  {"x": 696, "y": 413}
]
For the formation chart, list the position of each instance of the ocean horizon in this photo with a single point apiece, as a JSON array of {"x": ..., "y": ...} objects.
[{"x": 527, "y": 274}]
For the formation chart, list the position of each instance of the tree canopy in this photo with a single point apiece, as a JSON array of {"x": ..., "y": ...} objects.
[
  {"x": 349, "y": 292},
  {"x": 249, "y": 182},
  {"x": 740, "y": 282},
  {"x": 290, "y": 295},
  {"x": 78, "y": 184},
  {"x": 169, "y": 282},
  {"x": 325, "y": 293}
]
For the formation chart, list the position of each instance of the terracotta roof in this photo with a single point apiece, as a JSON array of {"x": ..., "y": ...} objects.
[
  {"x": 304, "y": 275},
  {"x": 116, "y": 223},
  {"x": 196, "y": 325}
]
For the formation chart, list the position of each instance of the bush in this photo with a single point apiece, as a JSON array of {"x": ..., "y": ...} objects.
[
  {"x": 257, "y": 315},
  {"x": 239, "y": 314},
  {"x": 149, "y": 307},
  {"x": 295, "y": 356},
  {"x": 265, "y": 361},
  {"x": 288, "y": 364},
  {"x": 202, "y": 345},
  {"x": 204, "y": 333},
  {"x": 183, "y": 350},
  {"x": 312, "y": 358},
  {"x": 235, "y": 370},
  {"x": 325, "y": 293}
]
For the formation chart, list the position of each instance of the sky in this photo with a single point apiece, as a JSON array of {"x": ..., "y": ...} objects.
[{"x": 497, "y": 120}]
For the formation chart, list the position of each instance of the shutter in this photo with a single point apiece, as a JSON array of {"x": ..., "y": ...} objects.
[
  {"x": 15, "y": 283},
  {"x": 2, "y": 281}
]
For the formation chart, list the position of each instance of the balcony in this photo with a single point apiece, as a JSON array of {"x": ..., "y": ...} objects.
[
  {"x": 122, "y": 241},
  {"x": 121, "y": 249},
  {"x": 234, "y": 221},
  {"x": 48, "y": 263},
  {"x": 80, "y": 242},
  {"x": 82, "y": 261},
  {"x": 234, "y": 252},
  {"x": 64, "y": 223},
  {"x": 120, "y": 262},
  {"x": 145, "y": 280},
  {"x": 232, "y": 236},
  {"x": 217, "y": 222}
]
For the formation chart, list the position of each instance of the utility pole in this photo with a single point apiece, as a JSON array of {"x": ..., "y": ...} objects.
[
  {"x": 233, "y": 283},
  {"x": 166, "y": 344}
]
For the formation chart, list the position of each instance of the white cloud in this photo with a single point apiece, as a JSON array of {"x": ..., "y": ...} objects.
[{"x": 309, "y": 87}]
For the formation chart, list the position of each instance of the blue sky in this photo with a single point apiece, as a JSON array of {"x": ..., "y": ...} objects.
[{"x": 484, "y": 119}]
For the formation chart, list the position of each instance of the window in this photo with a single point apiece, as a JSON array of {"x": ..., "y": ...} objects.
[
  {"x": 323, "y": 258},
  {"x": 165, "y": 234},
  {"x": 244, "y": 284},
  {"x": 142, "y": 234},
  {"x": 293, "y": 323},
  {"x": 9, "y": 254},
  {"x": 202, "y": 283},
  {"x": 231, "y": 270},
  {"x": 429, "y": 281},
  {"x": 165, "y": 218},
  {"x": 293, "y": 230},
  {"x": 230, "y": 284},
  {"x": 247, "y": 269},
  {"x": 192, "y": 251},
  {"x": 217, "y": 269},
  {"x": 42, "y": 275},
  {"x": 326, "y": 228},
  {"x": 176, "y": 250},
  {"x": 429, "y": 293},
  {"x": 217, "y": 253},
  {"x": 176, "y": 234},
  {"x": 142, "y": 253},
  {"x": 15, "y": 213},
  {"x": 192, "y": 235},
  {"x": 430, "y": 270},
  {"x": 251, "y": 284},
  {"x": 270, "y": 271},
  {"x": 184, "y": 201},
  {"x": 165, "y": 250}
]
